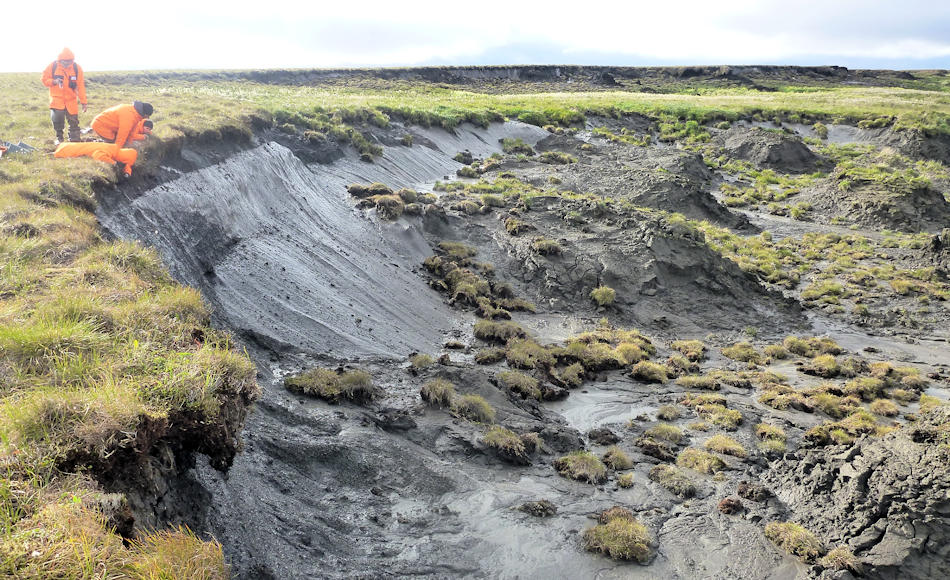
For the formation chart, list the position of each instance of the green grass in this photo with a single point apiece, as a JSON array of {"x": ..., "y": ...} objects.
[{"x": 96, "y": 340}]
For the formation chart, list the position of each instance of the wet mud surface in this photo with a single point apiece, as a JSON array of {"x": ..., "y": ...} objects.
[{"x": 396, "y": 488}]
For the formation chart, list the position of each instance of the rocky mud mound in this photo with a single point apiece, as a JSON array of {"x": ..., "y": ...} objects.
[
  {"x": 658, "y": 269},
  {"x": 662, "y": 178},
  {"x": 921, "y": 209},
  {"x": 768, "y": 149},
  {"x": 888, "y": 499}
]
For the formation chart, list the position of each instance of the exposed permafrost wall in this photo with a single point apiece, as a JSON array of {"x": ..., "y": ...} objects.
[{"x": 281, "y": 254}]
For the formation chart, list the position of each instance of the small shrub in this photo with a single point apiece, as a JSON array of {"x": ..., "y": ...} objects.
[
  {"x": 776, "y": 351},
  {"x": 743, "y": 352},
  {"x": 546, "y": 247},
  {"x": 603, "y": 295},
  {"x": 730, "y": 506},
  {"x": 674, "y": 480},
  {"x": 524, "y": 353},
  {"x": 665, "y": 432},
  {"x": 516, "y": 227},
  {"x": 699, "y": 460},
  {"x": 581, "y": 466},
  {"x": 438, "y": 393},
  {"x": 487, "y": 356},
  {"x": 521, "y": 384},
  {"x": 707, "y": 382},
  {"x": 556, "y": 158},
  {"x": 506, "y": 443},
  {"x": 421, "y": 361},
  {"x": 616, "y": 459},
  {"x": 649, "y": 372},
  {"x": 720, "y": 416},
  {"x": 725, "y": 444},
  {"x": 491, "y": 200},
  {"x": 625, "y": 480},
  {"x": 473, "y": 408},
  {"x": 841, "y": 558},
  {"x": 491, "y": 331},
  {"x": 794, "y": 539},
  {"x": 694, "y": 350},
  {"x": 770, "y": 432},
  {"x": 331, "y": 386},
  {"x": 573, "y": 375},
  {"x": 467, "y": 171},
  {"x": 823, "y": 365},
  {"x": 884, "y": 408},
  {"x": 668, "y": 413},
  {"x": 620, "y": 537},
  {"x": 516, "y": 146}
]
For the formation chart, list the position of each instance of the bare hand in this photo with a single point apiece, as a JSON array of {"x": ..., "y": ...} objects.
[{"x": 83, "y": 107}]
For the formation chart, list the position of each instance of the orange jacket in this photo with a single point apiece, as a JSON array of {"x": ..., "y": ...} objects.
[
  {"x": 105, "y": 152},
  {"x": 138, "y": 134},
  {"x": 63, "y": 97},
  {"x": 117, "y": 123}
]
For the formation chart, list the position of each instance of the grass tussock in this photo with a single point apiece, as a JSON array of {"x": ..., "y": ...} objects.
[
  {"x": 603, "y": 296},
  {"x": 521, "y": 384},
  {"x": 617, "y": 459},
  {"x": 438, "y": 393},
  {"x": 693, "y": 350},
  {"x": 794, "y": 539},
  {"x": 620, "y": 536},
  {"x": 473, "y": 408},
  {"x": 699, "y": 460},
  {"x": 649, "y": 372},
  {"x": 665, "y": 432},
  {"x": 674, "y": 480},
  {"x": 725, "y": 445},
  {"x": 334, "y": 385},
  {"x": 581, "y": 466}
]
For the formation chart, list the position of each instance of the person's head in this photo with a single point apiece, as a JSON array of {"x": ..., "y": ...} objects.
[
  {"x": 144, "y": 109},
  {"x": 147, "y": 126},
  {"x": 66, "y": 57}
]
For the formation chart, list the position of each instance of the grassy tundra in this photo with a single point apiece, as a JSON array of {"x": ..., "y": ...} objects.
[{"x": 103, "y": 355}]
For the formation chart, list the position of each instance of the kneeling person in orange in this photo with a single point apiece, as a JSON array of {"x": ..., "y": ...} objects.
[
  {"x": 105, "y": 152},
  {"x": 116, "y": 124}
]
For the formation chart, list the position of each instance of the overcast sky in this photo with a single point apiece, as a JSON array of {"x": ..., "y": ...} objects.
[{"x": 198, "y": 34}]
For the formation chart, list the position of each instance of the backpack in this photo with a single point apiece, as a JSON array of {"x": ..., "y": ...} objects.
[{"x": 72, "y": 78}]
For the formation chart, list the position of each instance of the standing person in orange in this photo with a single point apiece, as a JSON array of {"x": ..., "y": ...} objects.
[
  {"x": 118, "y": 124},
  {"x": 66, "y": 84},
  {"x": 105, "y": 152}
]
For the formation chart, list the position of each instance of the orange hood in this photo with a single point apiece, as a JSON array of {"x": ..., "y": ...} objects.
[{"x": 67, "y": 55}]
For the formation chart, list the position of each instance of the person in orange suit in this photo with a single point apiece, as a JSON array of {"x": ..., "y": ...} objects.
[
  {"x": 106, "y": 152},
  {"x": 66, "y": 85},
  {"x": 142, "y": 130},
  {"x": 116, "y": 124}
]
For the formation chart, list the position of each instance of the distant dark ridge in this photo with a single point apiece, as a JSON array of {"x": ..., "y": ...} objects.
[{"x": 599, "y": 76}]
